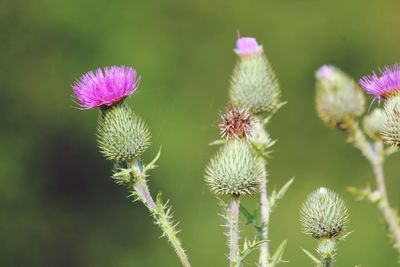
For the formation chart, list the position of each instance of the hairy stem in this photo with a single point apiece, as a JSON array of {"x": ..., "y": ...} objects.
[
  {"x": 233, "y": 234},
  {"x": 376, "y": 156},
  {"x": 160, "y": 213},
  {"x": 264, "y": 211}
]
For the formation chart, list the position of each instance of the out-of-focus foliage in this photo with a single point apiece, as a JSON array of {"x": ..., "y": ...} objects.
[{"x": 58, "y": 205}]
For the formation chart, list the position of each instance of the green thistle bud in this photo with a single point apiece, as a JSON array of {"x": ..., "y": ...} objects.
[
  {"x": 339, "y": 100},
  {"x": 233, "y": 170},
  {"x": 373, "y": 123},
  {"x": 391, "y": 128},
  {"x": 324, "y": 214},
  {"x": 254, "y": 85},
  {"x": 260, "y": 139},
  {"x": 122, "y": 135}
]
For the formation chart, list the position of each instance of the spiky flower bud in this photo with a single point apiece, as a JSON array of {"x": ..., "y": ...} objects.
[
  {"x": 391, "y": 128},
  {"x": 236, "y": 123},
  {"x": 260, "y": 139},
  {"x": 324, "y": 214},
  {"x": 373, "y": 123},
  {"x": 327, "y": 248},
  {"x": 122, "y": 135},
  {"x": 338, "y": 98},
  {"x": 233, "y": 170},
  {"x": 253, "y": 84}
]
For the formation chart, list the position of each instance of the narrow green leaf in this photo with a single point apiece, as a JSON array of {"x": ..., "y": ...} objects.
[{"x": 311, "y": 256}]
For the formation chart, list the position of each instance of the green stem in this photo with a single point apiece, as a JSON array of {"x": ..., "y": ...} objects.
[
  {"x": 376, "y": 155},
  {"x": 233, "y": 234},
  {"x": 264, "y": 212},
  {"x": 158, "y": 211}
]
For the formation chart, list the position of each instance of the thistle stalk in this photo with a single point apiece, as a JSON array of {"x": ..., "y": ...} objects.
[
  {"x": 375, "y": 154},
  {"x": 264, "y": 211},
  {"x": 233, "y": 235},
  {"x": 159, "y": 211}
]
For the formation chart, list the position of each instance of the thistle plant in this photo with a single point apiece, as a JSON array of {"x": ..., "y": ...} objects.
[
  {"x": 340, "y": 105},
  {"x": 123, "y": 137},
  {"x": 324, "y": 216},
  {"x": 239, "y": 167}
]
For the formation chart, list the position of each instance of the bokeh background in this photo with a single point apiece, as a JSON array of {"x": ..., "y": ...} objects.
[{"x": 58, "y": 205}]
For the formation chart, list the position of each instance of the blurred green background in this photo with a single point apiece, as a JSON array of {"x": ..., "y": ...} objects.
[{"x": 58, "y": 205}]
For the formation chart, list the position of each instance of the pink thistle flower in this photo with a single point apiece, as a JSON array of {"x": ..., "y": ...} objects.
[
  {"x": 247, "y": 46},
  {"x": 384, "y": 85},
  {"x": 104, "y": 88},
  {"x": 325, "y": 72},
  {"x": 236, "y": 123}
]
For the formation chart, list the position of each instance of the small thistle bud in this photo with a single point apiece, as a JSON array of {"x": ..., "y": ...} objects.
[
  {"x": 233, "y": 170},
  {"x": 260, "y": 139},
  {"x": 327, "y": 248},
  {"x": 373, "y": 123},
  {"x": 391, "y": 128},
  {"x": 324, "y": 214},
  {"x": 122, "y": 135},
  {"x": 338, "y": 98},
  {"x": 253, "y": 84},
  {"x": 236, "y": 123}
]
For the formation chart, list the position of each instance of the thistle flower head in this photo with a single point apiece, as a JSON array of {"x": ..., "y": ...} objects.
[
  {"x": 254, "y": 85},
  {"x": 324, "y": 214},
  {"x": 236, "y": 123},
  {"x": 338, "y": 98},
  {"x": 374, "y": 122},
  {"x": 247, "y": 46},
  {"x": 105, "y": 88},
  {"x": 384, "y": 84},
  {"x": 122, "y": 135},
  {"x": 233, "y": 170},
  {"x": 390, "y": 131}
]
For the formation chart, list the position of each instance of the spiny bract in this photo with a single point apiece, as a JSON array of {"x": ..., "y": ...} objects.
[
  {"x": 122, "y": 135},
  {"x": 233, "y": 170},
  {"x": 338, "y": 98},
  {"x": 391, "y": 128},
  {"x": 254, "y": 85},
  {"x": 324, "y": 214}
]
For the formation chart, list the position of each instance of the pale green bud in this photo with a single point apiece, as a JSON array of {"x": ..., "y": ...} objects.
[
  {"x": 373, "y": 123},
  {"x": 339, "y": 99},
  {"x": 254, "y": 85},
  {"x": 391, "y": 128},
  {"x": 233, "y": 170},
  {"x": 327, "y": 248},
  {"x": 122, "y": 135},
  {"x": 324, "y": 214}
]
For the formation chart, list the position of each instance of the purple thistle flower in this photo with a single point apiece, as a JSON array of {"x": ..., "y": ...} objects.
[
  {"x": 104, "y": 88},
  {"x": 384, "y": 85},
  {"x": 247, "y": 46},
  {"x": 325, "y": 72}
]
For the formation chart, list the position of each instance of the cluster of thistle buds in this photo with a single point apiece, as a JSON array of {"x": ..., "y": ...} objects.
[
  {"x": 340, "y": 101},
  {"x": 324, "y": 216},
  {"x": 238, "y": 167}
]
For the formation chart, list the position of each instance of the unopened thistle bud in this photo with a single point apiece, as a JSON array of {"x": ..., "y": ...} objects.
[
  {"x": 253, "y": 84},
  {"x": 338, "y": 98},
  {"x": 122, "y": 135},
  {"x": 374, "y": 122},
  {"x": 324, "y": 214},
  {"x": 260, "y": 139},
  {"x": 236, "y": 123},
  {"x": 233, "y": 170}
]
